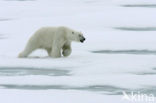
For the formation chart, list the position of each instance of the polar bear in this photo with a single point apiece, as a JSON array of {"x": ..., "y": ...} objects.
[{"x": 54, "y": 40}]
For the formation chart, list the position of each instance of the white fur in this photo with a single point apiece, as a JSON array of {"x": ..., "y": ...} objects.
[{"x": 52, "y": 39}]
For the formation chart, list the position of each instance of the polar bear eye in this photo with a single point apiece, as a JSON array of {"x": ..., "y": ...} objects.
[{"x": 72, "y": 32}]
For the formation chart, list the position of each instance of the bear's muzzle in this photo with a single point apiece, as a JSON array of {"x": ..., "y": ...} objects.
[{"x": 82, "y": 39}]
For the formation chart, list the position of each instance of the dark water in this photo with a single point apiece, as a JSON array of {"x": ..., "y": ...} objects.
[
  {"x": 137, "y": 52},
  {"x": 104, "y": 89},
  {"x": 95, "y": 88},
  {"x": 140, "y": 5},
  {"x": 22, "y": 71},
  {"x": 136, "y": 28}
]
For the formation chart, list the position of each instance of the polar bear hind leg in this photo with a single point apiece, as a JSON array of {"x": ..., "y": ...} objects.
[{"x": 30, "y": 47}]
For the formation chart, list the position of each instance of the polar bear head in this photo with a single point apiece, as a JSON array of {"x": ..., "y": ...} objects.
[{"x": 75, "y": 36}]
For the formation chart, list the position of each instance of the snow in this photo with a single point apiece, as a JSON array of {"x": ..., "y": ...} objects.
[{"x": 118, "y": 54}]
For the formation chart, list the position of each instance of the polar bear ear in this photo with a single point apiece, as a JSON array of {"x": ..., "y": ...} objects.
[{"x": 72, "y": 32}]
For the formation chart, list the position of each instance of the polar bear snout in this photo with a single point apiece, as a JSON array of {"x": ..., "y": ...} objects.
[{"x": 82, "y": 39}]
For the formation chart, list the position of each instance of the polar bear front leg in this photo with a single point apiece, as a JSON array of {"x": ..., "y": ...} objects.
[
  {"x": 57, "y": 45},
  {"x": 66, "y": 49},
  {"x": 56, "y": 51},
  {"x": 66, "y": 52}
]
